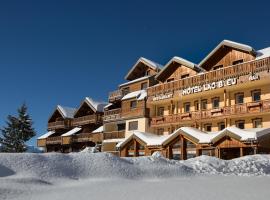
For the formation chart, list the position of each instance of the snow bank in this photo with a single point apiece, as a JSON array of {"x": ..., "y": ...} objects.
[{"x": 102, "y": 165}]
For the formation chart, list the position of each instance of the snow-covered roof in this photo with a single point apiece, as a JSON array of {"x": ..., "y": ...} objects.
[
  {"x": 72, "y": 132},
  {"x": 108, "y": 105},
  {"x": 181, "y": 61},
  {"x": 231, "y": 44},
  {"x": 46, "y": 135},
  {"x": 148, "y": 138},
  {"x": 135, "y": 80},
  {"x": 115, "y": 140},
  {"x": 263, "y": 53},
  {"x": 98, "y": 106},
  {"x": 66, "y": 112},
  {"x": 139, "y": 95},
  {"x": 99, "y": 130},
  {"x": 147, "y": 62}
]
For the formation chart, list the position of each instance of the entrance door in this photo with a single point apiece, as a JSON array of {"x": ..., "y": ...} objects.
[{"x": 229, "y": 153}]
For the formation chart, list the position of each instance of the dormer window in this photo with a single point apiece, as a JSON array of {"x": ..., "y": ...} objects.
[
  {"x": 236, "y": 62},
  {"x": 184, "y": 76},
  {"x": 217, "y": 67}
]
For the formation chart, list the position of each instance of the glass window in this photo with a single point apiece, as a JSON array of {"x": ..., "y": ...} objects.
[
  {"x": 208, "y": 127},
  {"x": 257, "y": 123},
  {"x": 184, "y": 76},
  {"x": 217, "y": 67},
  {"x": 144, "y": 85},
  {"x": 187, "y": 107},
  {"x": 221, "y": 126},
  {"x": 160, "y": 111},
  {"x": 160, "y": 131},
  {"x": 256, "y": 95},
  {"x": 239, "y": 98},
  {"x": 133, "y": 104},
  {"x": 215, "y": 102},
  {"x": 196, "y": 105},
  {"x": 147, "y": 73},
  {"x": 125, "y": 90},
  {"x": 133, "y": 126},
  {"x": 237, "y": 61},
  {"x": 204, "y": 104},
  {"x": 240, "y": 124}
]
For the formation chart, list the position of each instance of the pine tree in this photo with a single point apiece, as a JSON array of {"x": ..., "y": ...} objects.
[{"x": 17, "y": 131}]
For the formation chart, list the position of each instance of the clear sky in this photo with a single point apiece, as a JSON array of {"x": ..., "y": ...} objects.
[{"x": 58, "y": 52}]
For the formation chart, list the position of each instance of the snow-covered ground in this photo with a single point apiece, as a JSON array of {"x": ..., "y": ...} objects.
[{"x": 98, "y": 176}]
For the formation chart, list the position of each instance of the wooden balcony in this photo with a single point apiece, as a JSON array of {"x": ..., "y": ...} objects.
[
  {"x": 87, "y": 137},
  {"x": 243, "y": 69},
  {"x": 141, "y": 111},
  {"x": 54, "y": 140},
  {"x": 111, "y": 115},
  {"x": 57, "y": 125},
  {"x": 114, "y": 135},
  {"x": 115, "y": 95},
  {"x": 89, "y": 119},
  {"x": 229, "y": 111}
]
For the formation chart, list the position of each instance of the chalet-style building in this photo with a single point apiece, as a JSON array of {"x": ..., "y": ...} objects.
[
  {"x": 127, "y": 109},
  {"x": 225, "y": 100},
  {"x": 219, "y": 107},
  {"x": 74, "y": 129}
]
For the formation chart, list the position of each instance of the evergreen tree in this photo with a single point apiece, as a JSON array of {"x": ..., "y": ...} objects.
[{"x": 17, "y": 131}]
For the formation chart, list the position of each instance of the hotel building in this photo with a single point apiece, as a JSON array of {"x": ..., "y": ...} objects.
[{"x": 219, "y": 107}]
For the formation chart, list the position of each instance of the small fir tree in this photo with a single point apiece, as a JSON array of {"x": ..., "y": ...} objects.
[{"x": 17, "y": 131}]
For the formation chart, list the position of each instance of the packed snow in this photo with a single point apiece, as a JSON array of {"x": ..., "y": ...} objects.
[{"x": 88, "y": 175}]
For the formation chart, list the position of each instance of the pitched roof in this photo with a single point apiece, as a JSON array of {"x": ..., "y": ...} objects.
[
  {"x": 46, "y": 135},
  {"x": 72, "y": 131},
  {"x": 139, "y": 95},
  {"x": 263, "y": 53},
  {"x": 66, "y": 112},
  {"x": 153, "y": 65},
  {"x": 99, "y": 130},
  {"x": 231, "y": 44},
  {"x": 180, "y": 61},
  {"x": 94, "y": 105}
]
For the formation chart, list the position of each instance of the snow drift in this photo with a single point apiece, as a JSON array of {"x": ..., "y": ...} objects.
[{"x": 103, "y": 165}]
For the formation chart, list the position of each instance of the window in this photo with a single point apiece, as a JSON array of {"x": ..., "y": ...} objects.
[
  {"x": 237, "y": 62},
  {"x": 196, "y": 105},
  {"x": 121, "y": 127},
  {"x": 160, "y": 111},
  {"x": 160, "y": 131},
  {"x": 204, "y": 104},
  {"x": 125, "y": 90},
  {"x": 239, "y": 98},
  {"x": 257, "y": 123},
  {"x": 133, "y": 104},
  {"x": 144, "y": 86},
  {"x": 221, "y": 126},
  {"x": 184, "y": 76},
  {"x": 208, "y": 127},
  {"x": 186, "y": 107},
  {"x": 147, "y": 73},
  {"x": 170, "y": 80},
  {"x": 256, "y": 95},
  {"x": 215, "y": 102},
  {"x": 240, "y": 124},
  {"x": 217, "y": 67},
  {"x": 133, "y": 126}
]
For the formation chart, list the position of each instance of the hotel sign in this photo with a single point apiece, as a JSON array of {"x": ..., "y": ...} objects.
[
  {"x": 163, "y": 96},
  {"x": 209, "y": 86}
]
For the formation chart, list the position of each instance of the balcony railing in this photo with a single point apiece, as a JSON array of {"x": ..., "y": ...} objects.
[
  {"x": 54, "y": 140},
  {"x": 89, "y": 119},
  {"x": 238, "y": 109},
  {"x": 86, "y": 137},
  {"x": 139, "y": 111},
  {"x": 115, "y": 95},
  {"x": 112, "y": 114},
  {"x": 242, "y": 69},
  {"x": 57, "y": 125},
  {"x": 114, "y": 135}
]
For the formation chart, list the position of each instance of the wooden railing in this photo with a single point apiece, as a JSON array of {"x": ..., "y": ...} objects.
[
  {"x": 88, "y": 119},
  {"x": 238, "y": 109},
  {"x": 115, "y": 95},
  {"x": 114, "y": 135},
  {"x": 57, "y": 125},
  {"x": 85, "y": 137},
  {"x": 54, "y": 140},
  {"x": 234, "y": 71},
  {"x": 112, "y": 114},
  {"x": 139, "y": 111}
]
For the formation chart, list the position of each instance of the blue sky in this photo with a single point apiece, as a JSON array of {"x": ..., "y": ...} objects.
[{"x": 58, "y": 52}]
